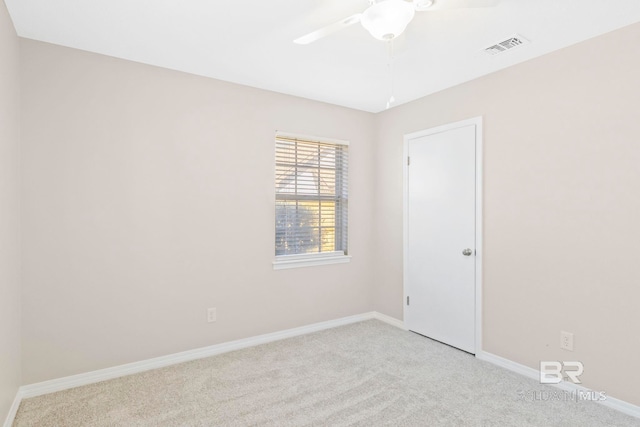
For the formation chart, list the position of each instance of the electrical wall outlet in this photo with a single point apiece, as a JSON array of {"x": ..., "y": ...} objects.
[
  {"x": 211, "y": 314},
  {"x": 566, "y": 340}
]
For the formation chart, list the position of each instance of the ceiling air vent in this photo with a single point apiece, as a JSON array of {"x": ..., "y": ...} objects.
[{"x": 505, "y": 45}]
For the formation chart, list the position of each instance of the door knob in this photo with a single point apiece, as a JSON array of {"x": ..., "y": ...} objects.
[{"x": 467, "y": 252}]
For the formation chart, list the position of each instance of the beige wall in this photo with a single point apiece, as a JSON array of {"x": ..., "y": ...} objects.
[
  {"x": 149, "y": 196},
  {"x": 9, "y": 213},
  {"x": 561, "y": 206}
]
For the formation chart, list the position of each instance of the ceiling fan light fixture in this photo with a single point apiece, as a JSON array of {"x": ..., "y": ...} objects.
[
  {"x": 387, "y": 19},
  {"x": 421, "y": 5}
]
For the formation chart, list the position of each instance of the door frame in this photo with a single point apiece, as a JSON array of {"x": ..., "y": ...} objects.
[{"x": 477, "y": 121}]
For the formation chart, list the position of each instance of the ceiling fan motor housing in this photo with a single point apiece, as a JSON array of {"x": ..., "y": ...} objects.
[{"x": 387, "y": 19}]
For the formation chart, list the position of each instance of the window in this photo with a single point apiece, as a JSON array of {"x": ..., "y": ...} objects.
[{"x": 311, "y": 201}]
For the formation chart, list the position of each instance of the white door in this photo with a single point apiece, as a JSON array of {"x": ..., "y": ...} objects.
[{"x": 441, "y": 234}]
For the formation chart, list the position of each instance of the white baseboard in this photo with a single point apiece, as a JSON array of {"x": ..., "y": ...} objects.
[
  {"x": 72, "y": 381},
  {"x": 390, "y": 320},
  {"x": 611, "y": 402},
  {"x": 8, "y": 422}
]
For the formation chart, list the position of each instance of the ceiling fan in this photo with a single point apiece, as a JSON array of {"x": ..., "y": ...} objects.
[{"x": 387, "y": 19}]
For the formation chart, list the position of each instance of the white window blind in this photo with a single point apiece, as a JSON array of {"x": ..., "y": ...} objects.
[{"x": 311, "y": 196}]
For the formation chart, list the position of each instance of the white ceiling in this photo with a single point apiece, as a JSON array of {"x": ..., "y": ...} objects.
[{"x": 250, "y": 42}]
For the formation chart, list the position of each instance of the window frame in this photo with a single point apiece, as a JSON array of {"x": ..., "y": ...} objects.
[{"x": 319, "y": 258}]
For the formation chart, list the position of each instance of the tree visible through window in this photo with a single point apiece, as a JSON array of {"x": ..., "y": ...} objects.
[{"x": 311, "y": 196}]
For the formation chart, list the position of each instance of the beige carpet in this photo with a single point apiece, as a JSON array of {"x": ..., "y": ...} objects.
[{"x": 365, "y": 374}]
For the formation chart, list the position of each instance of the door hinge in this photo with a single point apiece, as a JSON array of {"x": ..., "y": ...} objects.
[
  {"x": 408, "y": 161},
  {"x": 407, "y": 300}
]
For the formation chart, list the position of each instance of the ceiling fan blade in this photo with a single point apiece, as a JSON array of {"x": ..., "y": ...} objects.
[
  {"x": 329, "y": 29},
  {"x": 461, "y": 4}
]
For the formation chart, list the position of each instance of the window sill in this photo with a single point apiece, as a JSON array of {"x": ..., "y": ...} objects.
[{"x": 299, "y": 261}]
